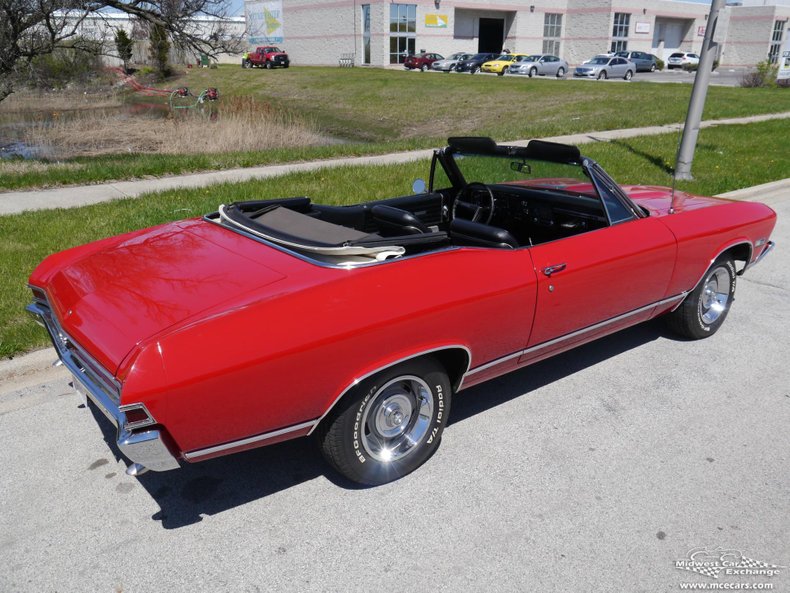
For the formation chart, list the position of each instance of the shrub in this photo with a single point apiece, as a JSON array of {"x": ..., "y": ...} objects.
[
  {"x": 77, "y": 63},
  {"x": 124, "y": 46},
  {"x": 764, "y": 75},
  {"x": 695, "y": 67},
  {"x": 160, "y": 50},
  {"x": 660, "y": 64}
]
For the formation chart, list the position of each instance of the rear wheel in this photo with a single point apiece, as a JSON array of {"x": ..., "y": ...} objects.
[
  {"x": 704, "y": 310},
  {"x": 560, "y": 72},
  {"x": 628, "y": 75},
  {"x": 390, "y": 424}
]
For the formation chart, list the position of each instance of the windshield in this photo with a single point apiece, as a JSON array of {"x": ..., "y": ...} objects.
[
  {"x": 599, "y": 61},
  {"x": 676, "y": 56},
  {"x": 505, "y": 58},
  {"x": 480, "y": 57},
  {"x": 528, "y": 58},
  {"x": 622, "y": 54},
  {"x": 532, "y": 173}
]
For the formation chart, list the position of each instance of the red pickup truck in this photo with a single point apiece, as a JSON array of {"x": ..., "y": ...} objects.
[{"x": 267, "y": 56}]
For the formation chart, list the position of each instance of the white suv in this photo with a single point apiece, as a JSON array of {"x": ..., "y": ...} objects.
[{"x": 680, "y": 59}]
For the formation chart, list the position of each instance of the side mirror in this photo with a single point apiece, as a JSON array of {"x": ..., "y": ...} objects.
[{"x": 419, "y": 187}]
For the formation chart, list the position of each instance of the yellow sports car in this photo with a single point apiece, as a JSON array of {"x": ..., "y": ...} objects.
[{"x": 501, "y": 64}]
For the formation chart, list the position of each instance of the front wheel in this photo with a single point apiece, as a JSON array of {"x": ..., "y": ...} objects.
[
  {"x": 704, "y": 310},
  {"x": 652, "y": 67},
  {"x": 602, "y": 75},
  {"x": 628, "y": 75},
  {"x": 269, "y": 66},
  {"x": 390, "y": 424},
  {"x": 474, "y": 69},
  {"x": 423, "y": 68},
  {"x": 533, "y": 72},
  {"x": 560, "y": 72},
  {"x": 501, "y": 72}
]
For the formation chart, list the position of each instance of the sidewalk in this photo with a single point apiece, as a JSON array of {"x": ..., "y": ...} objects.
[{"x": 82, "y": 195}]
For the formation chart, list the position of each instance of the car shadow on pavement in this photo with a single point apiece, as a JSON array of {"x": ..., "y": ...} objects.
[{"x": 187, "y": 495}]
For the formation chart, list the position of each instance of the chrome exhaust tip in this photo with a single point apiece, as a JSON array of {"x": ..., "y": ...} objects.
[{"x": 135, "y": 470}]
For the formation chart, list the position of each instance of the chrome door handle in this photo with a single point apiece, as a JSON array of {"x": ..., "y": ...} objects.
[{"x": 549, "y": 270}]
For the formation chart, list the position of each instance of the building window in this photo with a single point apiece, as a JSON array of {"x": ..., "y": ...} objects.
[
  {"x": 776, "y": 41},
  {"x": 403, "y": 31},
  {"x": 552, "y": 29},
  {"x": 366, "y": 33},
  {"x": 622, "y": 22}
]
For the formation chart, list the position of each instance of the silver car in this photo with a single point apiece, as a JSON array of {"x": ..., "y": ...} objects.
[
  {"x": 448, "y": 64},
  {"x": 603, "y": 67},
  {"x": 539, "y": 65}
]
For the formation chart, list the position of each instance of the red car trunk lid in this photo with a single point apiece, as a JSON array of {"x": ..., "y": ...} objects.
[{"x": 130, "y": 291}]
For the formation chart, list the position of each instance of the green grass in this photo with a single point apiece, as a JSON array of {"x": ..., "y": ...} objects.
[
  {"x": 377, "y": 110},
  {"x": 727, "y": 158}
]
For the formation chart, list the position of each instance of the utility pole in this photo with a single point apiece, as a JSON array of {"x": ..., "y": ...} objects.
[{"x": 697, "y": 103}]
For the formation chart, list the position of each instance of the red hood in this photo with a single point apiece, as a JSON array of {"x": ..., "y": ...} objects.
[
  {"x": 123, "y": 292},
  {"x": 658, "y": 199}
]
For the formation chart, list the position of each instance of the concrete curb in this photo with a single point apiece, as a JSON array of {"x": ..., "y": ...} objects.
[{"x": 74, "y": 196}]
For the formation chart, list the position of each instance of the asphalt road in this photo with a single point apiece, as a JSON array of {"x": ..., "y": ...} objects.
[{"x": 593, "y": 471}]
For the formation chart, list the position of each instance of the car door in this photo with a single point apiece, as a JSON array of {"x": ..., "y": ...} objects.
[
  {"x": 619, "y": 66},
  {"x": 551, "y": 65},
  {"x": 598, "y": 281}
]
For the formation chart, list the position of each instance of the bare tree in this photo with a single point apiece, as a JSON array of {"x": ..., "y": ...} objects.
[{"x": 29, "y": 28}]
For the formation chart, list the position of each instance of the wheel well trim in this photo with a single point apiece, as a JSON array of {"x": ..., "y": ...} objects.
[
  {"x": 393, "y": 363},
  {"x": 722, "y": 251}
]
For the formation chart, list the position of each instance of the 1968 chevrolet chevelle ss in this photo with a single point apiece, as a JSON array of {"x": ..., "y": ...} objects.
[{"x": 270, "y": 320}]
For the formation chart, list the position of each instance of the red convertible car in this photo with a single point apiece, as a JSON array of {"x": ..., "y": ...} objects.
[{"x": 270, "y": 320}]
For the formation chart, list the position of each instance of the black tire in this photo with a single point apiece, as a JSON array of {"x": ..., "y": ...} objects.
[
  {"x": 533, "y": 72},
  {"x": 423, "y": 68},
  {"x": 560, "y": 72},
  {"x": 269, "y": 66},
  {"x": 350, "y": 436},
  {"x": 704, "y": 310},
  {"x": 603, "y": 75},
  {"x": 652, "y": 67},
  {"x": 474, "y": 69},
  {"x": 501, "y": 72},
  {"x": 628, "y": 75}
]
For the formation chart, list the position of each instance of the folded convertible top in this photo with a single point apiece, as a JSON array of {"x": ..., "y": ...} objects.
[{"x": 306, "y": 233}]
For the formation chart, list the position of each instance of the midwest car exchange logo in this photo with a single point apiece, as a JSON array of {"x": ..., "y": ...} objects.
[{"x": 718, "y": 562}]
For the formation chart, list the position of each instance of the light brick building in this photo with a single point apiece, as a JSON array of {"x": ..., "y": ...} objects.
[{"x": 380, "y": 33}]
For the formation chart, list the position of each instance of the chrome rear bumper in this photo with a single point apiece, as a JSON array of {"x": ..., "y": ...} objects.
[{"x": 144, "y": 447}]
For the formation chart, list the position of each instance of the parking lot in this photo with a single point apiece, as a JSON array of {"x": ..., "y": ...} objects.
[{"x": 593, "y": 471}]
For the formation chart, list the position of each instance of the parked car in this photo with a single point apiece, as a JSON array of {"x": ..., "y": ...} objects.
[
  {"x": 602, "y": 67},
  {"x": 540, "y": 64},
  {"x": 499, "y": 65},
  {"x": 679, "y": 59},
  {"x": 449, "y": 63},
  {"x": 643, "y": 61},
  {"x": 474, "y": 63},
  {"x": 267, "y": 56},
  {"x": 421, "y": 61},
  {"x": 274, "y": 319}
]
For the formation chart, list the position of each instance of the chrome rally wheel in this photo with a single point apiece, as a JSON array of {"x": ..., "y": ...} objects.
[
  {"x": 715, "y": 297},
  {"x": 397, "y": 419},
  {"x": 389, "y": 424}
]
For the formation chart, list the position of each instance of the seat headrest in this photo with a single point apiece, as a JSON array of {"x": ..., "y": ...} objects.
[
  {"x": 398, "y": 220},
  {"x": 466, "y": 232}
]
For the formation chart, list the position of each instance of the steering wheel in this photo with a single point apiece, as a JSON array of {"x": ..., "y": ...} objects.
[{"x": 475, "y": 197}]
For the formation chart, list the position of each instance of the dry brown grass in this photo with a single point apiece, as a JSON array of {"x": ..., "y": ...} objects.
[
  {"x": 242, "y": 124},
  {"x": 55, "y": 101}
]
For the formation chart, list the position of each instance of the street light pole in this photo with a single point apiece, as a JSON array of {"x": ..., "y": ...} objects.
[{"x": 697, "y": 103}]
